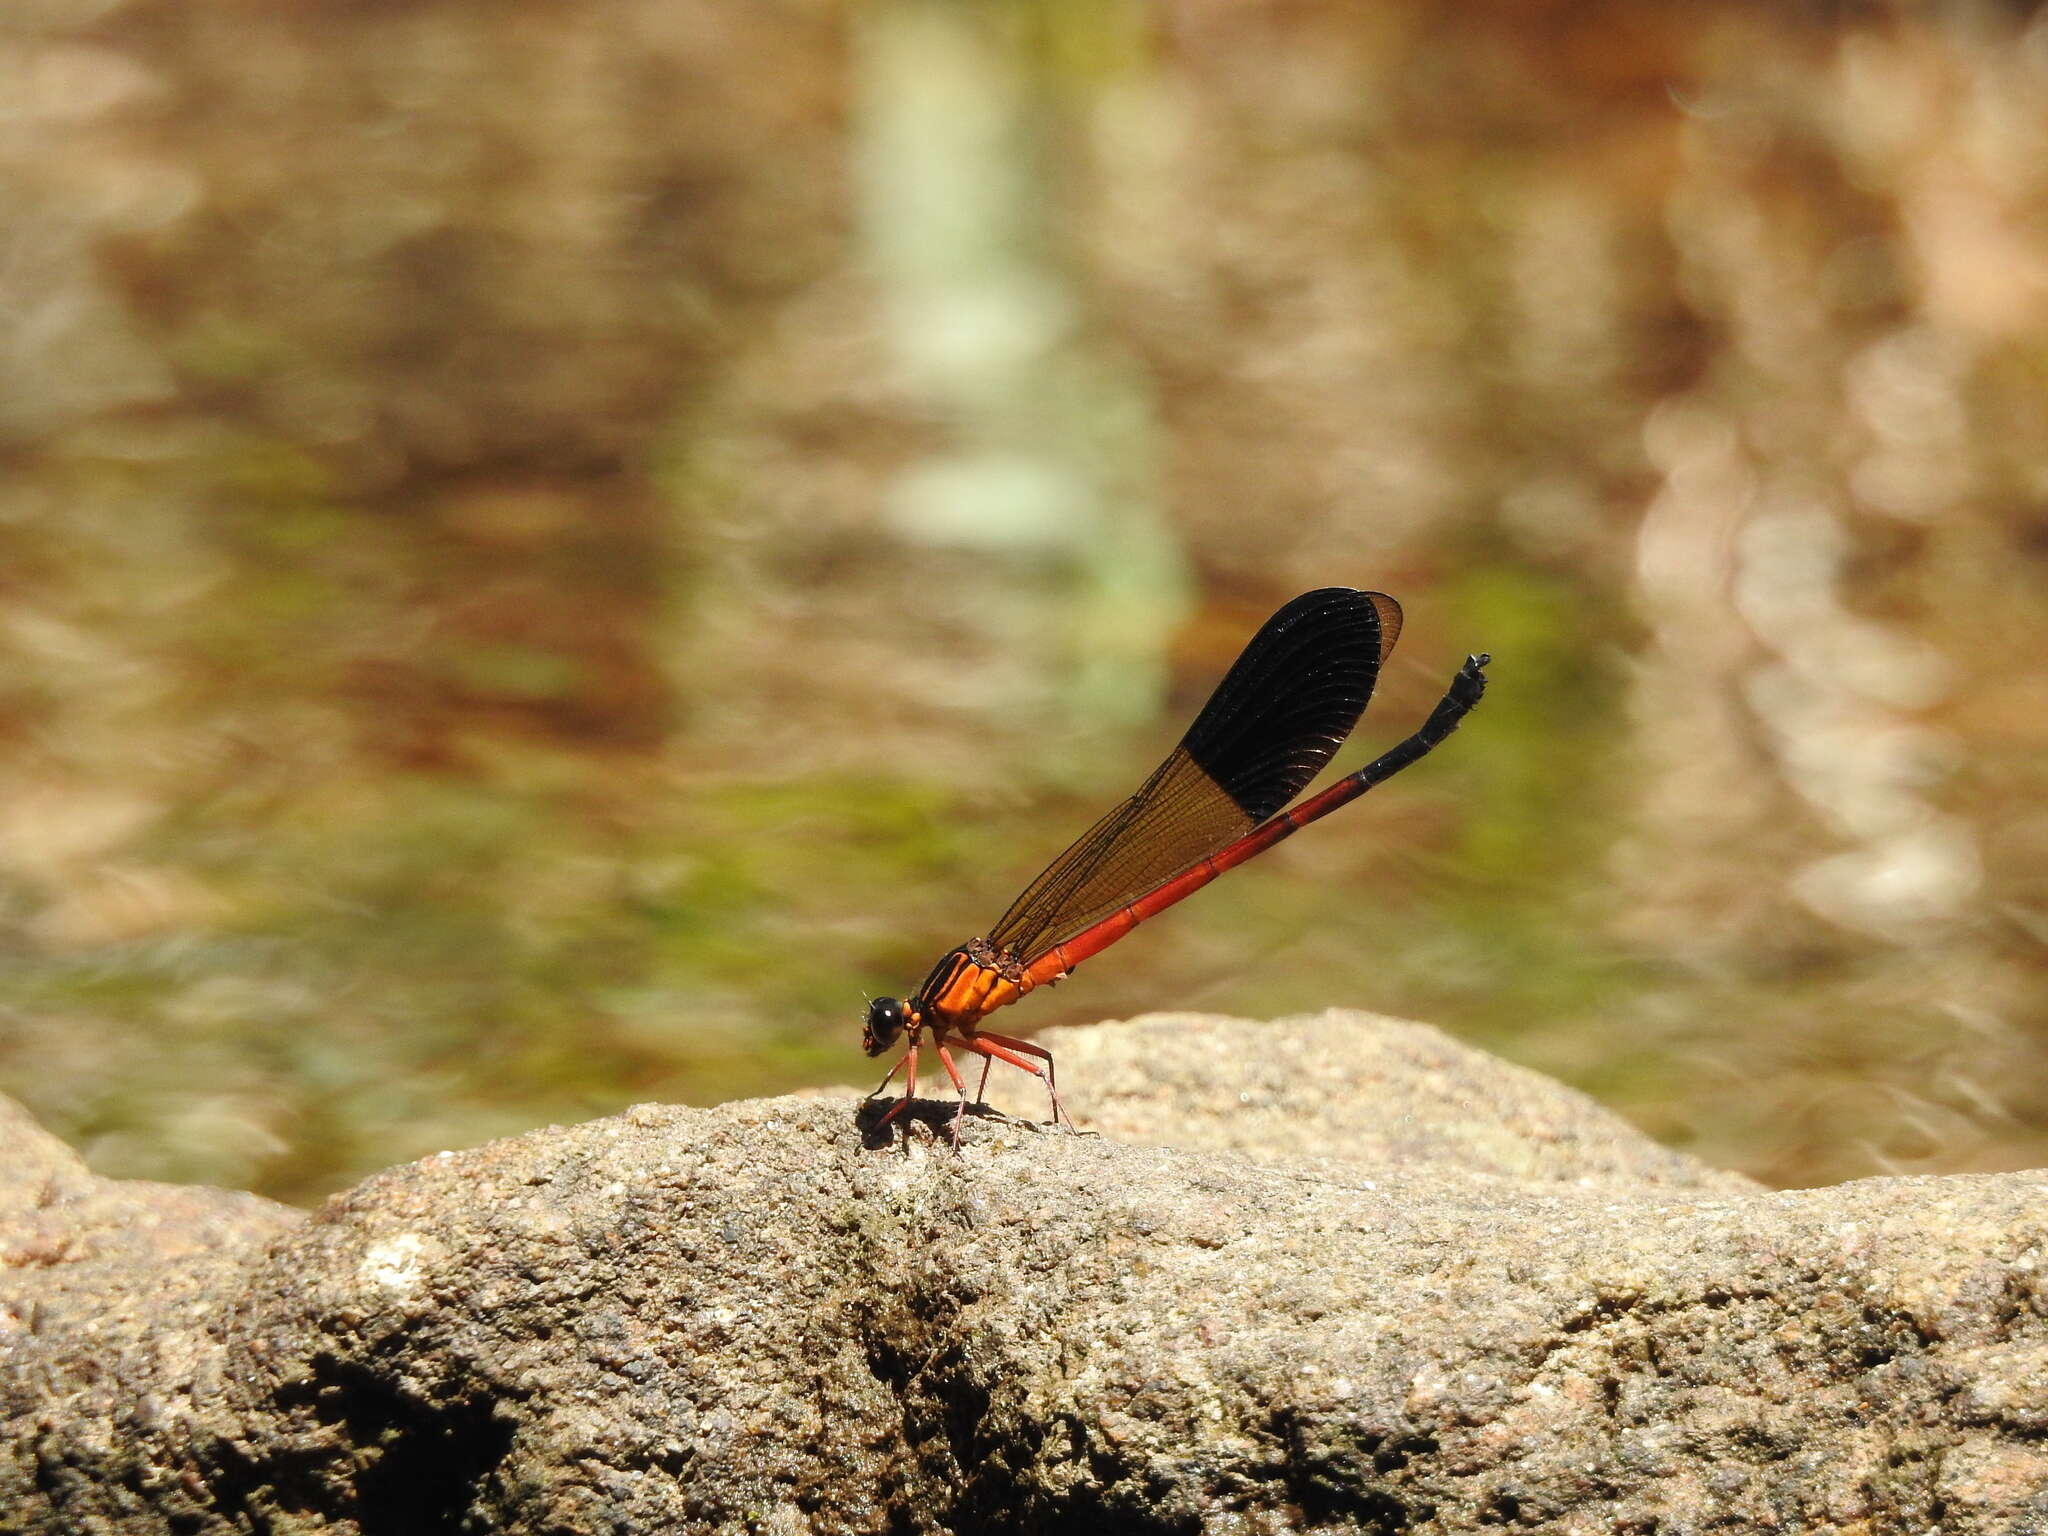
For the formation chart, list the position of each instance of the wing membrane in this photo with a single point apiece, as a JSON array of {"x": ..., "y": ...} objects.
[{"x": 1281, "y": 712}]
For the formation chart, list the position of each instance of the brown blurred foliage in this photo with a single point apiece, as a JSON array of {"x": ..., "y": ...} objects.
[{"x": 444, "y": 400}]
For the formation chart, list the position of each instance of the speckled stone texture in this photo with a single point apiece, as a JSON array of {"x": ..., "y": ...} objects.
[{"x": 1333, "y": 1273}]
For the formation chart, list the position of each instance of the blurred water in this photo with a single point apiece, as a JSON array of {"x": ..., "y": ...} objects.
[{"x": 547, "y": 553}]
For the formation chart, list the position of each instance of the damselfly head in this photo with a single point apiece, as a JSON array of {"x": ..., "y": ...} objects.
[{"x": 886, "y": 1019}]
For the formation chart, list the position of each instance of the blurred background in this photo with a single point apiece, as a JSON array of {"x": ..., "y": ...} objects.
[{"x": 546, "y": 549}]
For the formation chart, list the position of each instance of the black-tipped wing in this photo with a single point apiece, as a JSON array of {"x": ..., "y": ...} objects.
[{"x": 1278, "y": 716}]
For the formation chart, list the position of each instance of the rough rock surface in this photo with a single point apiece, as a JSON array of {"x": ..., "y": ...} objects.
[
  {"x": 1341, "y": 1084},
  {"x": 1476, "y": 1303},
  {"x": 111, "y": 1302}
]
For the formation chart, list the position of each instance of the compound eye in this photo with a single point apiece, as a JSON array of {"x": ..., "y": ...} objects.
[{"x": 886, "y": 1019}]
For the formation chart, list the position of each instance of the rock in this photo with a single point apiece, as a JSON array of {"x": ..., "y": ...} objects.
[
  {"x": 752, "y": 1318},
  {"x": 1342, "y": 1084},
  {"x": 114, "y": 1297}
]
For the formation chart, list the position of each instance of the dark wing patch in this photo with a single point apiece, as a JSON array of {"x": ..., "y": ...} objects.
[
  {"x": 1292, "y": 698},
  {"x": 1279, "y": 715}
]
